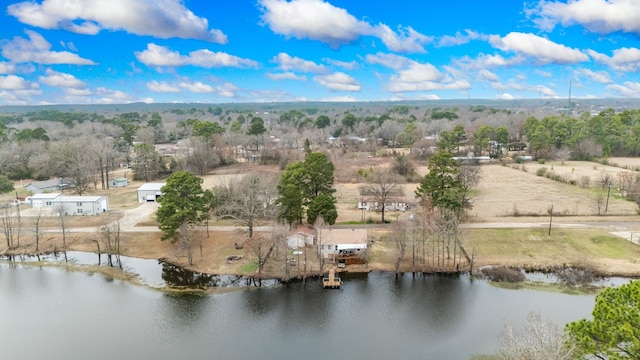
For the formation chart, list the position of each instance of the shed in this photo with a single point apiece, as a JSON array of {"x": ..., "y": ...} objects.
[
  {"x": 80, "y": 205},
  {"x": 300, "y": 237},
  {"x": 59, "y": 184},
  {"x": 118, "y": 182},
  {"x": 332, "y": 242},
  {"x": 150, "y": 192}
]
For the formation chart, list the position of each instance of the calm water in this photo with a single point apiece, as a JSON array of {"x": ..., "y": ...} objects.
[{"x": 53, "y": 314}]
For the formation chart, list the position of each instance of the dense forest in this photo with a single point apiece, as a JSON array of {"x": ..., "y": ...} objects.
[{"x": 87, "y": 145}]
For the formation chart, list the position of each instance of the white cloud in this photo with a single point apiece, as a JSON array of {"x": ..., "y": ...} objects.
[
  {"x": 348, "y": 65},
  {"x": 338, "y": 81},
  {"x": 543, "y": 73},
  {"x": 159, "y": 18},
  {"x": 544, "y": 50},
  {"x": 424, "y": 77},
  {"x": 406, "y": 40},
  {"x": 601, "y": 16},
  {"x": 505, "y": 96},
  {"x": 487, "y": 61},
  {"x": 38, "y": 50},
  {"x": 285, "y": 76},
  {"x": 14, "y": 82},
  {"x": 319, "y": 20},
  {"x": 391, "y": 61},
  {"x": 623, "y": 59},
  {"x": 197, "y": 87},
  {"x": 110, "y": 96},
  {"x": 7, "y": 68},
  {"x": 346, "y": 98},
  {"x": 312, "y": 19},
  {"x": 162, "y": 87},
  {"x": 628, "y": 89},
  {"x": 156, "y": 55},
  {"x": 63, "y": 80},
  {"x": 459, "y": 38},
  {"x": 287, "y": 62},
  {"x": 598, "y": 76},
  {"x": 78, "y": 92},
  {"x": 487, "y": 75}
]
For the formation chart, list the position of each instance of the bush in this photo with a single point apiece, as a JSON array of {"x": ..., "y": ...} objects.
[
  {"x": 503, "y": 274},
  {"x": 541, "y": 171},
  {"x": 585, "y": 181},
  {"x": 541, "y": 161}
]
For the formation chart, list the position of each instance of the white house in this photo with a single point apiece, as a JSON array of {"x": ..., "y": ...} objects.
[
  {"x": 70, "y": 205},
  {"x": 300, "y": 237},
  {"x": 118, "y": 182},
  {"x": 42, "y": 201},
  {"x": 150, "y": 192},
  {"x": 333, "y": 242},
  {"x": 80, "y": 205}
]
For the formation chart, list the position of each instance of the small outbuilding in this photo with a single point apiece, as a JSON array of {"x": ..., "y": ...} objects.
[
  {"x": 150, "y": 192},
  {"x": 53, "y": 185},
  {"x": 118, "y": 182},
  {"x": 301, "y": 237}
]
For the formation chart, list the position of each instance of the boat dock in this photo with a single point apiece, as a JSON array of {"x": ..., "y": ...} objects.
[{"x": 331, "y": 281}]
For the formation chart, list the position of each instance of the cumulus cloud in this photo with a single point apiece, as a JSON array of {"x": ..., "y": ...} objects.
[
  {"x": 287, "y": 62},
  {"x": 319, "y": 20},
  {"x": 7, "y": 68},
  {"x": 598, "y": 76},
  {"x": 159, "y": 18},
  {"x": 156, "y": 55},
  {"x": 198, "y": 87},
  {"x": 110, "y": 96},
  {"x": 487, "y": 61},
  {"x": 391, "y": 61},
  {"x": 459, "y": 38},
  {"x": 338, "y": 81},
  {"x": 623, "y": 59},
  {"x": 628, "y": 89},
  {"x": 38, "y": 50},
  {"x": 544, "y": 50},
  {"x": 487, "y": 75},
  {"x": 285, "y": 76},
  {"x": 406, "y": 40},
  {"x": 346, "y": 98},
  {"x": 162, "y": 87},
  {"x": 14, "y": 82},
  {"x": 505, "y": 96},
  {"x": 63, "y": 80},
  {"x": 601, "y": 16},
  {"x": 415, "y": 76},
  {"x": 349, "y": 65}
]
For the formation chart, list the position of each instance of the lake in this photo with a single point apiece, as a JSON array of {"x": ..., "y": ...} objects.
[{"x": 55, "y": 314}]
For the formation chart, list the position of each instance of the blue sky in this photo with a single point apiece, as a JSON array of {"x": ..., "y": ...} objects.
[{"x": 213, "y": 51}]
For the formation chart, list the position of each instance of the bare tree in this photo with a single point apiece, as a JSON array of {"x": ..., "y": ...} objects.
[
  {"x": 539, "y": 340},
  {"x": 74, "y": 158},
  {"x": 468, "y": 175},
  {"x": 624, "y": 180},
  {"x": 36, "y": 219},
  {"x": 260, "y": 248},
  {"x": 62, "y": 221},
  {"x": 563, "y": 154},
  {"x": 250, "y": 199},
  {"x": 8, "y": 225},
  {"x": 279, "y": 237},
  {"x": 381, "y": 185},
  {"x": 401, "y": 235}
]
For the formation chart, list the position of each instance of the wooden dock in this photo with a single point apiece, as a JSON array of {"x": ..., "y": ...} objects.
[{"x": 331, "y": 281}]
